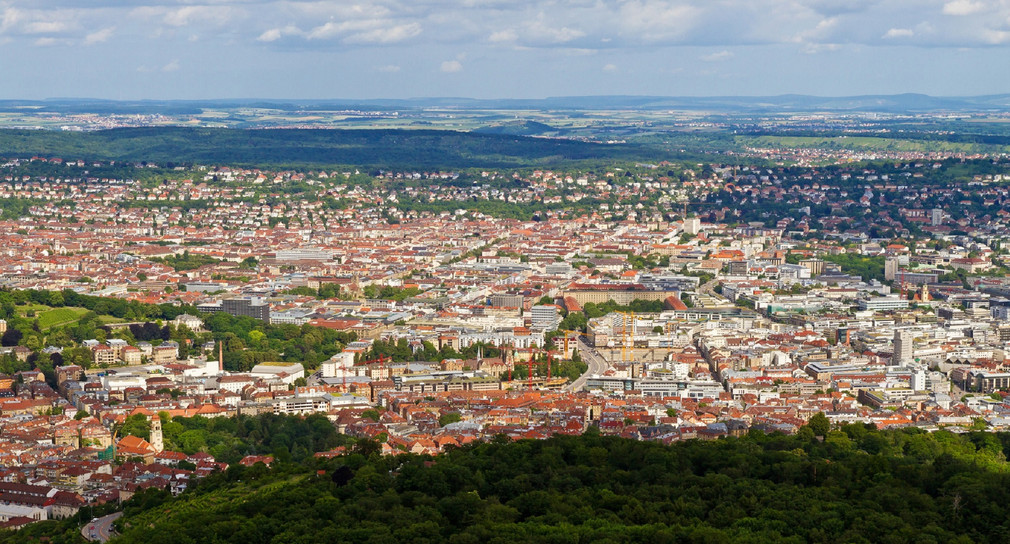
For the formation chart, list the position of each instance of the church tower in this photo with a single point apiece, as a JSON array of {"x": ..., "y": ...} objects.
[{"x": 157, "y": 441}]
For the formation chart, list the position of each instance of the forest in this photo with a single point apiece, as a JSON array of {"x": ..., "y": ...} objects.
[
  {"x": 279, "y": 147},
  {"x": 852, "y": 483}
]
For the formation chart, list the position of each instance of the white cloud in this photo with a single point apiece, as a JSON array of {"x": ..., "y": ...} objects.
[
  {"x": 609, "y": 67},
  {"x": 452, "y": 66},
  {"x": 963, "y": 7},
  {"x": 188, "y": 16},
  {"x": 45, "y": 27},
  {"x": 388, "y": 69},
  {"x": 99, "y": 36},
  {"x": 10, "y": 18},
  {"x": 172, "y": 66},
  {"x": 899, "y": 33},
  {"x": 819, "y": 33},
  {"x": 386, "y": 35},
  {"x": 500, "y": 36},
  {"x": 717, "y": 57},
  {"x": 328, "y": 30},
  {"x": 271, "y": 35},
  {"x": 657, "y": 21},
  {"x": 815, "y": 48}
]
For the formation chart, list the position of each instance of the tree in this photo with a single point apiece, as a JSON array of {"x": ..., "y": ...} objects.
[
  {"x": 56, "y": 299},
  {"x": 136, "y": 425},
  {"x": 11, "y": 338},
  {"x": 819, "y": 424}
]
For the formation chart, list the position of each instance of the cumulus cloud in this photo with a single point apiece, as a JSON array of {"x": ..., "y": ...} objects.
[
  {"x": 899, "y": 33},
  {"x": 501, "y": 36},
  {"x": 451, "y": 66},
  {"x": 657, "y": 21},
  {"x": 963, "y": 7},
  {"x": 395, "y": 34},
  {"x": 188, "y": 15},
  {"x": 563, "y": 25},
  {"x": 47, "y": 42},
  {"x": 717, "y": 57},
  {"x": 271, "y": 35},
  {"x": 610, "y": 67},
  {"x": 45, "y": 27},
  {"x": 172, "y": 66},
  {"x": 99, "y": 36}
]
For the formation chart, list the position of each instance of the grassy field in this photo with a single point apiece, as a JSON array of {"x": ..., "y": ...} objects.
[
  {"x": 59, "y": 317},
  {"x": 864, "y": 143}
]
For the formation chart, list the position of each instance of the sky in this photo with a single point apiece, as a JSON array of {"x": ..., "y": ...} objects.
[{"x": 337, "y": 49}]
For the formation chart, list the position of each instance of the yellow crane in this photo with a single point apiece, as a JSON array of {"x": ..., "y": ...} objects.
[
  {"x": 627, "y": 317},
  {"x": 568, "y": 333}
]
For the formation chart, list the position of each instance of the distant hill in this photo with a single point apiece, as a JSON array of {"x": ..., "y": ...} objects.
[
  {"x": 517, "y": 128},
  {"x": 367, "y": 148},
  {"x": 908, "y": 102}
]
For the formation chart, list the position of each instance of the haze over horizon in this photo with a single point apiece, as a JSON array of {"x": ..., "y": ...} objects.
[{"x": 211, "y": 49}]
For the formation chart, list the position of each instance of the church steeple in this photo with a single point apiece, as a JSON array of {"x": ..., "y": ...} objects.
[{"x": 157, "y": 441}]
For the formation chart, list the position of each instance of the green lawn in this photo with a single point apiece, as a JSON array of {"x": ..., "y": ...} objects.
[
  {"x": 58, "y": 317},
  {"x": 37, "y": 308}
]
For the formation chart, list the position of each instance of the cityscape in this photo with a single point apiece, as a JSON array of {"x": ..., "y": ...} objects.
[
  {"x": 633, "y": 300},
  {"x": 637, "y": 271}
]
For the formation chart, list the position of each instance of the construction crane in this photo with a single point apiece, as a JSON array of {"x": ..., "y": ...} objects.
[
  {"x": 569, "y": 332},
  {"x": 625, "y": 318},
  {"x": 532, "y": 362},
  {"x": 381, "y": 360}
]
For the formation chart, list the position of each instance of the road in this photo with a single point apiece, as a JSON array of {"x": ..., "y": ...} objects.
[
  {"x": 596, "y": 365},
  {"x": 708, "y": 288},
  {"x": 101, "y": 529}
]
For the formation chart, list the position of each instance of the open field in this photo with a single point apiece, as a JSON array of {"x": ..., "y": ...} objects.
[
  {"x": 59, "y": 317},
  {"x": 865, "y": 143}
]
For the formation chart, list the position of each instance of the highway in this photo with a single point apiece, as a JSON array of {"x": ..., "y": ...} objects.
[
  {"x": 596, "y": 365},
  {"x": 100, "y": 530}
]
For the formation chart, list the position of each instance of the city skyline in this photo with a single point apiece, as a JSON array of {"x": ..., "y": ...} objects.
[{"x": 487, "y": 49}]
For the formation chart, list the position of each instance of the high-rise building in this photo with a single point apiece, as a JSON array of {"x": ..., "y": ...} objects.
[
  {"x": 891, "y": 266},
  {"x": 936, "y": 217},
  {"x": 815, "y": 266},
  {"x": 692, "y": 225},
  {"x": 902, "y": 348},
  {"x": 544, "y": 317}
]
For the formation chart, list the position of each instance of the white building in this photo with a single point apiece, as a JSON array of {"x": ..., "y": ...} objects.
[
  {"x": 285, "y": 372},
  {"x": 902, "y": 348}
]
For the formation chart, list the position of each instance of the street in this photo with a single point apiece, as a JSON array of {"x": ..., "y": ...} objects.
[
  {"x": 596, "y": 365},
  {"x": 100, "y": 530}
]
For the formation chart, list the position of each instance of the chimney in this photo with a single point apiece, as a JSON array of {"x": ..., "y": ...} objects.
[{"x": 220, "y": 357}]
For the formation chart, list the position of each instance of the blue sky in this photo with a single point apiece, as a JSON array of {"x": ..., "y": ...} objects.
[{"x": 191, "y": 49}]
